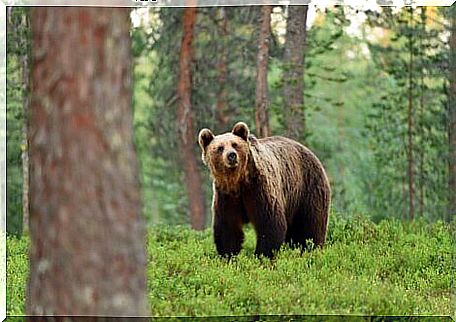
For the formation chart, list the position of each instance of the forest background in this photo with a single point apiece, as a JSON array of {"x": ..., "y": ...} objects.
[{"x": 375, "y": 104}]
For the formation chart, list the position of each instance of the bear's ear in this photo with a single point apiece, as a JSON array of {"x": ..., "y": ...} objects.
[
  {"x": 242, "y": 130},
  {"x": 204, "y": 138}
]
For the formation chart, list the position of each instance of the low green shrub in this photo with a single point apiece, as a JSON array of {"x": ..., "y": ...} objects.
[{"x": 390, "y": 268}]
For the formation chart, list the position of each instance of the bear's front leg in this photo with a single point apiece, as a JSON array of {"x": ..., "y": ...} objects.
[
  {"x": 228, "y": 233},
  {"x": 228, "y": 238},
  {"x": 269, "y": 241},
  {"x": 271, "y": 231}
]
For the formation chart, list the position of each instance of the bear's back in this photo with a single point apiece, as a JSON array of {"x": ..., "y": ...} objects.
[{"x": 289, "y": 166}]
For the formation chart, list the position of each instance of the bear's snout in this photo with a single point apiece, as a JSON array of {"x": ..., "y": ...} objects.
[{"x": 231, "y": 157}]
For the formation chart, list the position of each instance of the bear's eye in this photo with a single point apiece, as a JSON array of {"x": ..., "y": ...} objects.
[
  {"x": 234, "y": 145},
  {"x": 220, "y": 149}
]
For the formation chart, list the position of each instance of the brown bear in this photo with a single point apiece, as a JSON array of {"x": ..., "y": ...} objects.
[{"x": 274, "y": 183}]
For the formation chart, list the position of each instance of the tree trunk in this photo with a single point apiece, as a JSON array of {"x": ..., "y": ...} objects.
[
  {"x": 25, "y": 66},
  {"x": 185, "y": 124},
  {"x": 294, "y": 72},
  {"x": 261, "y": 97},
  {"x": 410, "y": 129},
  {"x": 222, "y": 117},
  {"x": 87, "y": 236},
  {"x": 422, "y": 176},
  {"x": 452, "y": 118}
]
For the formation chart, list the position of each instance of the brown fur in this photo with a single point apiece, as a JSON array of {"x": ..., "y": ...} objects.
[{"x": 276, "y": 184}]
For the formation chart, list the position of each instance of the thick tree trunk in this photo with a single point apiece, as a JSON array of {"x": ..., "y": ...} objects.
[
  {"x": 87, "y": 236},
  {"x": 185, "y": 124},
  {"x": 25, "y": 66},
  {"x": 452, "y": 118},
  {"x": 261, "y": 97},
  {"x": 410, "y": 129},
  {"x": 294, "y": 71},
  {"x": 222, "y": 117}
]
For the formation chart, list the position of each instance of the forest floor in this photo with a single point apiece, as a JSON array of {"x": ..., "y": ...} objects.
[{"x": 390, "y": 268}]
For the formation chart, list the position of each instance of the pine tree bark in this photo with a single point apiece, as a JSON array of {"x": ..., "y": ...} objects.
[
  {"x": 25, "y": 66},
  {"x": 452, "y": 118},
  {"x": 261, "y": 95},
  {"x": 222, "y": 117},
  {"x": 185, "y": 124},
  {"x": 87, "y": 252},
  {"x": 294, "y": 72}
]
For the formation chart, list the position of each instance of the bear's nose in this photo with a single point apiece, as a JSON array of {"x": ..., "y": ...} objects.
[{"x": 231, "y": 156}]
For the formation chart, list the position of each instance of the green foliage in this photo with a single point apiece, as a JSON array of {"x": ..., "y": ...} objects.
[
  {"x": 18, "y": 46},
  {"x": 322, "y": 41},
  {"x": 338, "y": 89},
  {"x": 355, "y": 105},
  {"x": 154, "y": 90},
  {"x": 17, "y": 270},
  {"x": 156, "y": 48},
  {"x": 408, "y": 79},
  {"x": 391, "y": 268}
]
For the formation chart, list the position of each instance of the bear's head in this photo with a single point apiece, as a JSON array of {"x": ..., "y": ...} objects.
[{"x": 227, "y": 156}]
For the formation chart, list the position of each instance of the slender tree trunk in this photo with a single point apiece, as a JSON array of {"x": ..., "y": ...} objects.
[
  {"x": 294, "y": 71},
  {"x": 87, "y": 236},
  {"x": 185, "y": 124},
  {"x": 25, "y": 108},
  {"x": 222, "y": 117},
  {"x": 410, "y": 129},
  {"x": 422, "y": 125},
  {"x": 452, "y": 118},
  {"x": 421, "y": 149},
  {"x": 261, "y": 98}
]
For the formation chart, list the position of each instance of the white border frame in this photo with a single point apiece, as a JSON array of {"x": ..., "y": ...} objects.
[{"x": 129, "y": 3}]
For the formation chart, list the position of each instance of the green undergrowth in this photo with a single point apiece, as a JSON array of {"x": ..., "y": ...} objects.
[{"x": 390, "y": 268}]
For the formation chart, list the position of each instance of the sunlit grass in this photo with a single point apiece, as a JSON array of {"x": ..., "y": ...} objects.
[{"x": 392, "y": 268}]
